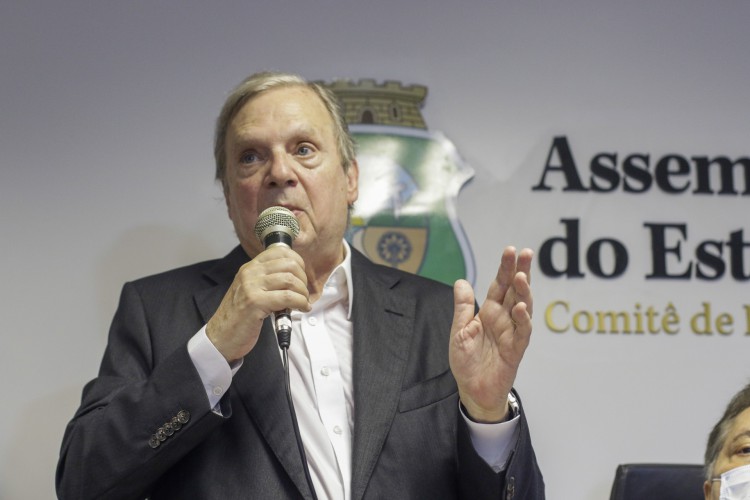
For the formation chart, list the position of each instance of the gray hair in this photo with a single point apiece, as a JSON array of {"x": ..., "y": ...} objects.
[
  {"x": 258, "y": 83},
  {"x": 739, "y": 403}
]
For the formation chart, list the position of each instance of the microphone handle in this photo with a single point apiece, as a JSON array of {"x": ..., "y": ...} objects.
[
  {"x": 277, "y": 238},
  {"x": 283, "y": 322}
]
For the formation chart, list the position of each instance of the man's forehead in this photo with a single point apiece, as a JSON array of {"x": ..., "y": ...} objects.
[
  {"x": 289, "y": 95},
  {"x": 308, "y": 107}
]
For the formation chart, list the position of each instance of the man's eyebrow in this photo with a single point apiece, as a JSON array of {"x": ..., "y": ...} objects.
[
  {"x": 240, "y": 139},
  {"x": 305, "y": 129},
  {"x": 301, "y": 130}
]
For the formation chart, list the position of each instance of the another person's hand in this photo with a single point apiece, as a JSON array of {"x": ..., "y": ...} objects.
[
  {"x": 486, "y": 348},
  {"x": 274, "y": 280}
]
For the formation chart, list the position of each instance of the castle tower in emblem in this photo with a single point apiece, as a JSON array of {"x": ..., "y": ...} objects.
[
  {"x": 391, "y": 103},
  {"x": 405, "y": 216}
]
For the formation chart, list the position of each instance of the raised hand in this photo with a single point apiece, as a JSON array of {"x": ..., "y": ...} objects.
[{"x": 486, "y": 348}]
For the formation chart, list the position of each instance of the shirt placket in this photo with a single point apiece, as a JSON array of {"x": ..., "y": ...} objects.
[{"x": 329, "y": 388}]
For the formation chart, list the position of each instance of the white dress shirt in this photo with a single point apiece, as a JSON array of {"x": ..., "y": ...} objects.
[{"x": 320, "y": 374}]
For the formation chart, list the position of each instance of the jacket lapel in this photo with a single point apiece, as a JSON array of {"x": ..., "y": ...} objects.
[
  {"x": 383, "y": 320},
  {"x": 259, "y": 383},
  {"x": 221, "y": 276}
]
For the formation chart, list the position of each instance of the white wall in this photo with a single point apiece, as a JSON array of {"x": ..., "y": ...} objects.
[{"x": 106, "y": 116}]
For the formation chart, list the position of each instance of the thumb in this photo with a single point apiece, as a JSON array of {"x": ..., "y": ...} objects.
[{"x": 463, "y": 305}]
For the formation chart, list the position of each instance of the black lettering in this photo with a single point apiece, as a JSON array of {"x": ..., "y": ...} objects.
[
  {"x": 726, "y": 166},
  {"x": 664, "y": 172},
  {"x": 659, "y": 251},
  {"x": 635, "y": 168},
  {"x": 604, "y": 166},
  {"x": 709, "y": 260},
  {"x": 567, "y": 166},
  {"x": 737, "y": 246},
  {"x": 619, "y": 254},
  {"x": 571, "y": 250}
]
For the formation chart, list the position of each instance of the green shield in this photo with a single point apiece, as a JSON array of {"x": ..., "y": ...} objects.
[{"x": 405, "y": 216}]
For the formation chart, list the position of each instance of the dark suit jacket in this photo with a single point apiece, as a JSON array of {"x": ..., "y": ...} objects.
[{"x": 409, "y": 439}]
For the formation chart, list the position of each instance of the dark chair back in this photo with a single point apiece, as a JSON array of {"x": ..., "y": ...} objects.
[{"x": 658, "y": 482}]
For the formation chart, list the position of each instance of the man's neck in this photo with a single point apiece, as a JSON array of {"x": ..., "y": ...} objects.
[{"x": 318, "y": 271}]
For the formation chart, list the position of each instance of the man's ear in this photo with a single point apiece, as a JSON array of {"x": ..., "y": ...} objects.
[{"x": 352, "y": 182}]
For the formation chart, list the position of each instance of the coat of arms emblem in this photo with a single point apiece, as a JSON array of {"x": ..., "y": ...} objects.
[{"x": 410, "y": 178}]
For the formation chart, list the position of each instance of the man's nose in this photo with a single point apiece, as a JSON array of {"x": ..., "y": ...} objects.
[{"x": 281, "y": 171}]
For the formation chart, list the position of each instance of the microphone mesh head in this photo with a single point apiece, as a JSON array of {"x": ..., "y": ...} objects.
[{"x": 276, "y": 219}]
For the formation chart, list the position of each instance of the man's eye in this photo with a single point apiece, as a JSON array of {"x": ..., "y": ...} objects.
[
  {"x": 249, "y": 157},
  {"x": 304, "y": 150},
  {"x": 744, "y": 450}
]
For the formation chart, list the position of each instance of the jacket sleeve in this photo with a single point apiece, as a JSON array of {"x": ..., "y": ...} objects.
[
  {"x": 138, "y": 417},
  {"x": 521, "y": 479}
]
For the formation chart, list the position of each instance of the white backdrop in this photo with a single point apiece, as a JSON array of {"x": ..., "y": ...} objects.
[{"x": 106, "y": 117}]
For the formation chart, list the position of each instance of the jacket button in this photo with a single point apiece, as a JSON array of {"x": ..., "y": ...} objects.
[
  {"x": 510, "y": 488},
  {"x": 168, "y": 429},
  {"x": 161, "y": 435},
  {"x": 176, "y": 425},
  {"x": 183, "y": 416},
  {"x": 154, "y": 442}
]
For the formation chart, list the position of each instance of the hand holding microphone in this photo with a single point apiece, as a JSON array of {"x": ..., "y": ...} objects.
[
  {"x": 273, "y": 281},
  {"x": 278, "y": 226}
]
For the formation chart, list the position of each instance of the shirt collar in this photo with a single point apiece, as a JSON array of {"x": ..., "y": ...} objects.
[
  {"x": 342, "y": 275},
  {"x": 338, "y": 286}
]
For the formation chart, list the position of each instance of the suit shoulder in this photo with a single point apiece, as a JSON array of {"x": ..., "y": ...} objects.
[
  {"x": 420, "y": 285},
  {"x": 205, "y": 273},
  {"x": 176, "y": 274},
  {"x": 425, "y": 282}
]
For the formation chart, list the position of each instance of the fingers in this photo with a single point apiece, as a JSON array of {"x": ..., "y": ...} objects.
[
  {"x": 486, "y": 369},
  {"x": 511, "y": 284},
  {"x": 525, "y": 257},
  {"x": 463, "y": 305},
  {"x": 505, "y": 273},
  {"x": 274, "y": 280},
  {"x": 522, "y": 292},
  {"x": 521, "y": 320}
]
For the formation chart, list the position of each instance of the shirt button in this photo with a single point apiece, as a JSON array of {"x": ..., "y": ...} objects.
[
  {"x": 312, "y": 320},
  {"x": 337, "y": 430},
  {"x": 218, "y": 391},
  {"x": 325, "y": 371}
]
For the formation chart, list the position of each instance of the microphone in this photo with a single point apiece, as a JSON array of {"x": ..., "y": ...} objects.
[{"x": 278, "y": 226}]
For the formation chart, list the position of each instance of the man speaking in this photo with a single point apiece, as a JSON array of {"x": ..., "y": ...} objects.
[{"x": 400, "y": 387}]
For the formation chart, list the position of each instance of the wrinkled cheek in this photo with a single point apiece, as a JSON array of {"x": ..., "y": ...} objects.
[{"x": 243, "y": 218}]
